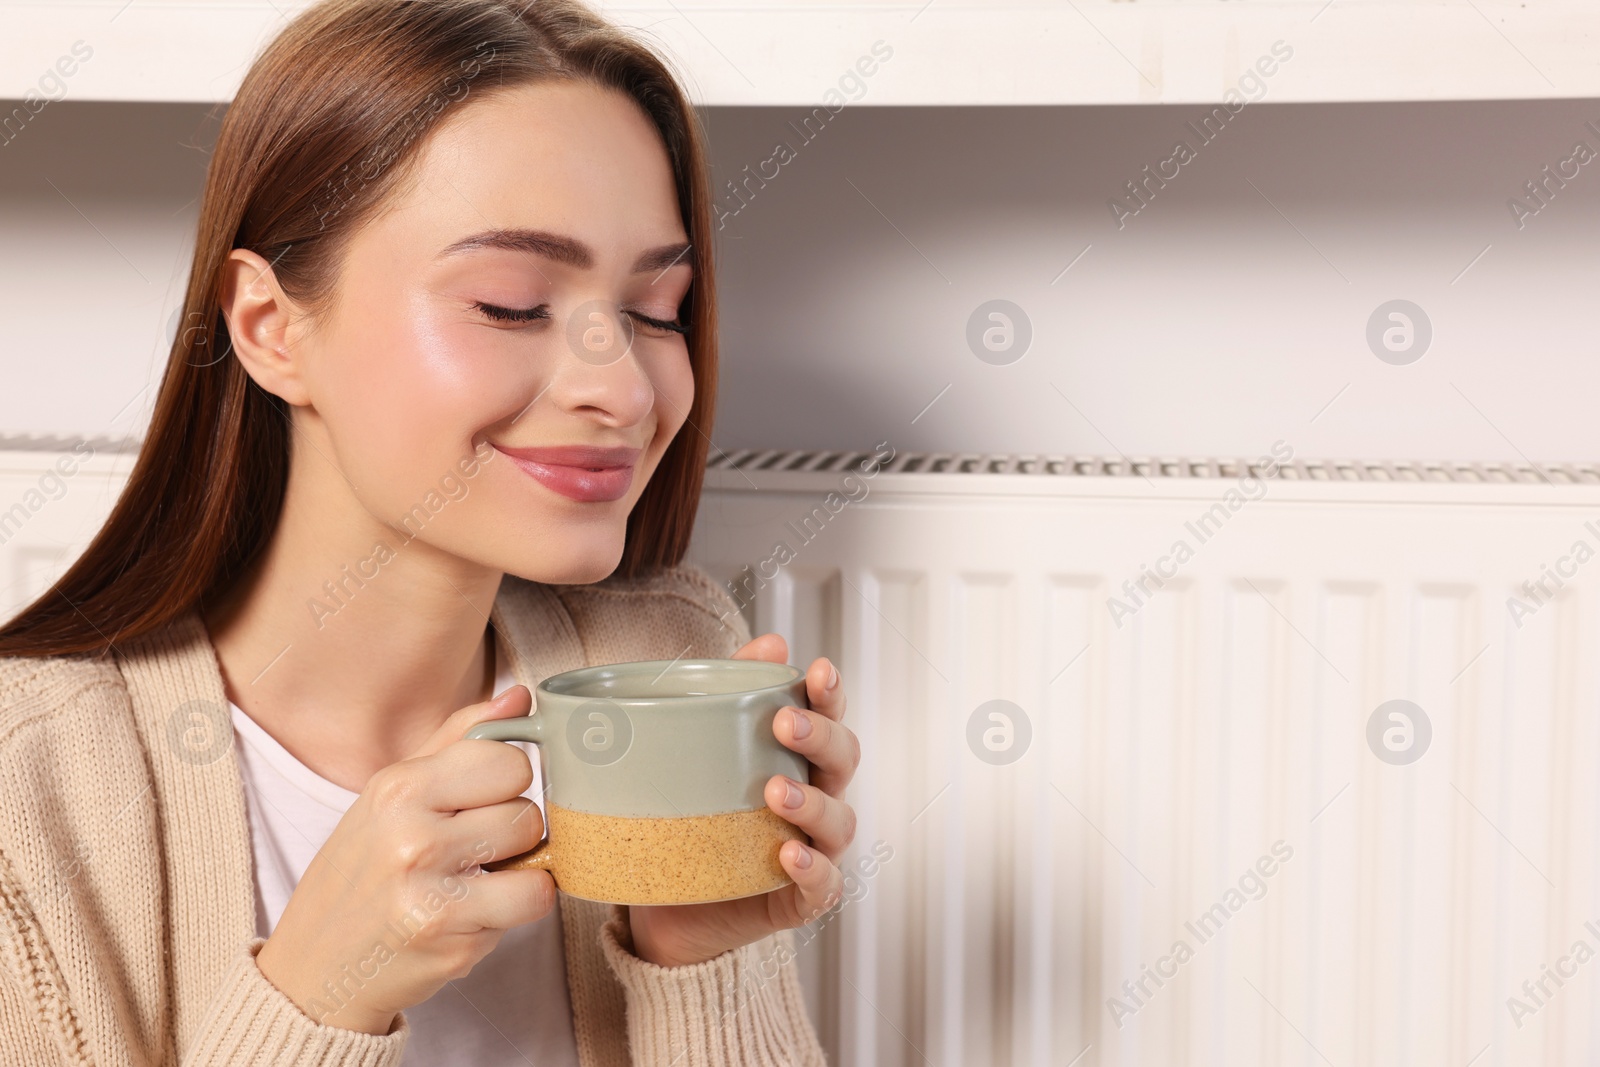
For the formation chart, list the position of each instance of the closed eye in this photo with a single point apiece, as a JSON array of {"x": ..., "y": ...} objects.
[
  {"x": 542, "y": 311},
  {"x": 658, "y": 324}
]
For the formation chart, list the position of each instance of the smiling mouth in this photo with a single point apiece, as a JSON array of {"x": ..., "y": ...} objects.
[{"x": 585, "y": 473}]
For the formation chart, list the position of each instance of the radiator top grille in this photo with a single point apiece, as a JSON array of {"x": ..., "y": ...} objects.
[
  {"x": 1148, "y": 467},
  {"x": 1050, "y": 465}
]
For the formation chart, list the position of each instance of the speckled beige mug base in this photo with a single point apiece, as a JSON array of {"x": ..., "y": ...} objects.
[{"x": 691, "y": 859}]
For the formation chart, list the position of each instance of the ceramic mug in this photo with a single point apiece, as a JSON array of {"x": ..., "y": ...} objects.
[{"x": 655, "y": 773}]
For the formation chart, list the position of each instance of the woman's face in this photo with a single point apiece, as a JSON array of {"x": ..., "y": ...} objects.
[{"x": 505, "y": 303}]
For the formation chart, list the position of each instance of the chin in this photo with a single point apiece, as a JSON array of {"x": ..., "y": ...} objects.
[{"x": 578, "y": 564}]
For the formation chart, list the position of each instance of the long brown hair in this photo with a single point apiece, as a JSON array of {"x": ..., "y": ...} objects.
[{"x": 319, "y": 134}]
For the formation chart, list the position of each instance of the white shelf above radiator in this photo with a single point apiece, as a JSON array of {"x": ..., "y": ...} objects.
[{"x": 944, "y": 52}]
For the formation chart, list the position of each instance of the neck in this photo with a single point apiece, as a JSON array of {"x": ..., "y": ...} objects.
[{"x": 350, "y": 657}]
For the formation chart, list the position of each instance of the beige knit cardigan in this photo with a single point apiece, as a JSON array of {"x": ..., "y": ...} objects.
[{"x": 126, "y": 889}]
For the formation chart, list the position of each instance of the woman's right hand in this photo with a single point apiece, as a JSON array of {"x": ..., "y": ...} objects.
[{"x": 394, "y": 906}]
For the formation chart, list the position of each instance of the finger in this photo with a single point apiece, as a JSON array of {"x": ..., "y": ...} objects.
[
  {"x": 769, "y": 647},
  {"x": 832, "y": 748},
  {"x": 818, "y": 881},
  {"x": 500, "y": 900},
  {"x": 514, "y": 701},
  {"x": 824, "y": 689},
  {"x": 828, "y": 821},
  {"x": 467, "y": 774},
  {"x": 494, "y": 831}
]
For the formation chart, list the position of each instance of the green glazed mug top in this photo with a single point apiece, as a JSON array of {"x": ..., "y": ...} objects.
[{"x": 658, "y": 740}]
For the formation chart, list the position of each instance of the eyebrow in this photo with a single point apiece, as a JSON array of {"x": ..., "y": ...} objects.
[{"x": 563, "y": 249}]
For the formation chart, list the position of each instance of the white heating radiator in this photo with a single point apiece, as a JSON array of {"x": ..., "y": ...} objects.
[
  {"x": 55, "y": 492},
  {"x": 1032, "y": 901},
  {"x": 1178, "y": 740}
]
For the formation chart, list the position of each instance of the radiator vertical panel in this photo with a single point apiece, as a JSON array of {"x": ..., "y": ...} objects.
[
  {"x": 1473, "y": 1006},
  {"x": 1581, "y": 1005},
  {"x": 1560, "y": 817},
  {"x": 1338, "y": 653},
  {"x": 983, "y": 668},
  {"x": 1117, "y": 863},
  {"x": 911, "y": 798},
  {"x": 1205, "y": 831},
  {"x": 1068, "y": 948},
  {"x": 1444, "y": 635},
  {"x": 1517, "y": 819},
  {"x": 1255, "y": 657},
  {"x": 1144, "y": 745}
]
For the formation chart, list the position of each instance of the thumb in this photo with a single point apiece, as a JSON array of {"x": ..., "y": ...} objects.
[
  {"x": 514, "y": 701},
  {"x": 770, "y": 647}
]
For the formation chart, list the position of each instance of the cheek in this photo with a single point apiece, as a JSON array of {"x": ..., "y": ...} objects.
[
  {"x": 673, "y": 382},
  {"x": 404, "y": 394}
]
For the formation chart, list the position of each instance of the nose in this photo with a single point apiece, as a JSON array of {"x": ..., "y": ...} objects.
[{"x": 597, "y": 372}]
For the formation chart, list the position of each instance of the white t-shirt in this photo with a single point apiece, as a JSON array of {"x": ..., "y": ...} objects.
[{"x": 512, "y": 1010}]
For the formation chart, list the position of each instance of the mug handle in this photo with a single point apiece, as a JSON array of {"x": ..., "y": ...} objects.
[{"x": 520, "y": 728}]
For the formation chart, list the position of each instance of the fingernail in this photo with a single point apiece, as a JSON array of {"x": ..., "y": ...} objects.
[
  {"x": 833, "y": 676},
  {"x": 799, "y": 725},
  {"x": 792, "y": 797},
  {"x": 803, "y": 858}
]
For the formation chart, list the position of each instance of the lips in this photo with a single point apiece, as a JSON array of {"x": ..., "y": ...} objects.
[{"x": 586, "y": 473}]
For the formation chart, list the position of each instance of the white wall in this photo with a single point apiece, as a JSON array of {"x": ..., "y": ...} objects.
[
  {"x": 1208, "y": 324},
  {"x": 97, "y": 210},
  {"x": 1214, "y": 322}
]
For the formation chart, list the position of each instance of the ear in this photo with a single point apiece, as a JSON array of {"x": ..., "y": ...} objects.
[{"x": 259, "y": 317}]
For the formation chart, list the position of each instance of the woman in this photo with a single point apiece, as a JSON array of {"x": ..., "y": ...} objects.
[{"x": 433, "y": 430}]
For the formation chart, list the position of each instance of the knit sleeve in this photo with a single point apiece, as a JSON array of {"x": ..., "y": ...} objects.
[
  {"x": 250, "y": 1023},
  {"x": 743, "y": 1008},
  {"x": 35, "y": 1026}
]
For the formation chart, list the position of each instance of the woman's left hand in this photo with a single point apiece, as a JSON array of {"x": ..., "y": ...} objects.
[{"x": 674, "y": 935}]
